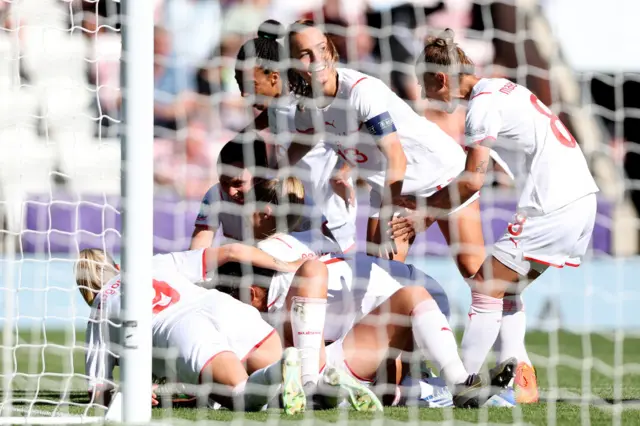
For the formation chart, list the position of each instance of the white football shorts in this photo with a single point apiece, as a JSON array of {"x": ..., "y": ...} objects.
[
  {"x": 375, "y": 197},
  {"x": 194, "y": 337},
  {"x": 556, "y": 239}
]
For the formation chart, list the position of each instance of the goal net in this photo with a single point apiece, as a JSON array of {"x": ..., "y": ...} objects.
[{"x": 60, "y": 192}]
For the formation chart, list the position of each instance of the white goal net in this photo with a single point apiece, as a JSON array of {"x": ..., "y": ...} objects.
[{"x": 61, "y": 114}]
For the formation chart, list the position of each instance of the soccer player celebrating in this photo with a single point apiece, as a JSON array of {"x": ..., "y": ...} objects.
[
  {"x": 239, "y": 165},
  {"x": 258, "y": 75},
  {"x": 322, "y": 300},
  {"x": 556, "y": 208},
  {"x": 219, "y": 341},
  {"x": 397, "y": 151},
  {"x": 406, "y": 317}
]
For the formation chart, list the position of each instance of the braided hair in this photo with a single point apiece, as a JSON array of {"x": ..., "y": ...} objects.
[{"x": 263, "y": 51}]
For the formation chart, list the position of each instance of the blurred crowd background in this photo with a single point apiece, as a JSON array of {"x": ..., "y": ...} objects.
[{"x": 60, "y": 94}]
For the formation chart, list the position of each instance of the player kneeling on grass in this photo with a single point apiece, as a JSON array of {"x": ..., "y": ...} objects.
[
  {"x": 356, "y": 286},
  {"x": 408, "y": 316},
  {"x": 200, "y": 337},
  {"x": 556, "y": 199}
]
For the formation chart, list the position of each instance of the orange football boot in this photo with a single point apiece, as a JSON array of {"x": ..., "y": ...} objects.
[{"x": 525, "y": 384}]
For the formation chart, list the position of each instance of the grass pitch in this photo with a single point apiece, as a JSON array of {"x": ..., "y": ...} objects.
[{"x": 584, "y": 379}]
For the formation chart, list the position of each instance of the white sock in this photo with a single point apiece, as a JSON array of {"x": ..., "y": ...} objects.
[
  {"x": 485, "y": 317},
  {"x": 433, "y": 334},
  {"x": 307, "y": 325},
  {"x": 260, "y": 388},
  {"x": 513, "y": 330}
]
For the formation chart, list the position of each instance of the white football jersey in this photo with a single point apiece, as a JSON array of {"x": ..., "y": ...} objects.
[
  {"x": 217, "y": 209},
  {"x": 172, "y": 293},
  {"x": 365, "y": 109},
  {"x": 549, "y": 168},
  {"x": 356, "y": 284},
  {"x": 314, "y": 169}
]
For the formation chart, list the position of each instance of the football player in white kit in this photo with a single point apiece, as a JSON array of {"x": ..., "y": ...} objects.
[
  {"x": 394, "y": 149},
  {"x": 258, "y": 75},
  {"x": 218, "y": 341},
  {"x": 325, "y": 298},
  {"x": 556, "y": 208},
  {"x": 370, "y": 329}
]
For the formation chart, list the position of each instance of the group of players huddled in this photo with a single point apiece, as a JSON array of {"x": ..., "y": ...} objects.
[{"x": 286, "y": 311}]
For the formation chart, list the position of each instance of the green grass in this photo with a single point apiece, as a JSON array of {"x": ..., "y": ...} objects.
[{"x": 572, "y": 369}]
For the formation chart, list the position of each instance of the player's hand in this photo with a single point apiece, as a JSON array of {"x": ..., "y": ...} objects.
[
  {"x": 408, "y": 225},
  {"x": 294, "y": 266},
  {"x": 344, "y": 190},
  {"x": 154, "y": 397},
  {"x": 388, "y": 249}
]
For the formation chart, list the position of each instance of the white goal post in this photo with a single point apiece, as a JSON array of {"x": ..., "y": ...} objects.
[
  {"x": 137, "y": 81},
  {"x": 137, "y": 198}
]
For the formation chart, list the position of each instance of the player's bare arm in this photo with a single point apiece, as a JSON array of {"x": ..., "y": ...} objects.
[
  {"x": 202, "y": 237},
  {"x": 298, "y": 149},
  {"x": 391, "y": 147},
  {"x": 469, "y": 182},
  {"x": 340, "y": 183},
  {"x": 466, "y": 184},
  {"x": 243, "y": 253}
]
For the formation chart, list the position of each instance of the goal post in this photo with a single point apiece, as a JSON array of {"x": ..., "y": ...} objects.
[{"x": 137, "y": 207}]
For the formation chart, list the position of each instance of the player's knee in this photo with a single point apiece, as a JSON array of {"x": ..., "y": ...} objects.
[
  {"x": 438, "y": 294},
  {"x": 469, "y": 264},
  {"x": 408, "y": 297},
  {"x": 312, "y": 279}
]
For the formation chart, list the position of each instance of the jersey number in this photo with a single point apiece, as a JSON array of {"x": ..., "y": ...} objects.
[
  {"x": 165, "y": 296},
  {"x": 559, "y": 130},
  {"x": 352, "y": 154},
  {"x": 515, "y": 228}
]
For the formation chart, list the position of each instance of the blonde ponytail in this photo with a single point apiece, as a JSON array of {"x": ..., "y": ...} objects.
[{"x": 93, "y": 268}]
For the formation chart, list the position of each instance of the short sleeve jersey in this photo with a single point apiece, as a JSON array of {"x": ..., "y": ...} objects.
[
  {"x": 218, "y": 210},
  {"x": 365, "y": 110},
  {"x": 549, "y": 168}
]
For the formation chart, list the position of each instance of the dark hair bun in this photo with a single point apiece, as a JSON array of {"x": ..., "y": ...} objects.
[{"x": 271, "y": 29}]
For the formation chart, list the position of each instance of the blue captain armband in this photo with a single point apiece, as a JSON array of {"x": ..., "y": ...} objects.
[{"x": 381, "y": 125}]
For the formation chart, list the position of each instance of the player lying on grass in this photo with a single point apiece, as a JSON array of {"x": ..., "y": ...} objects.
[
  {"x": 556, "y": 208},
  {"x": 409, "y": 316},
  {"x": 359, "y": 291},
  {"x": 277, "y": 212},
  {"x": 258, "y": 76},
  {"x": 394, "y": 149},
  {"x": 199, "y": 336}
]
